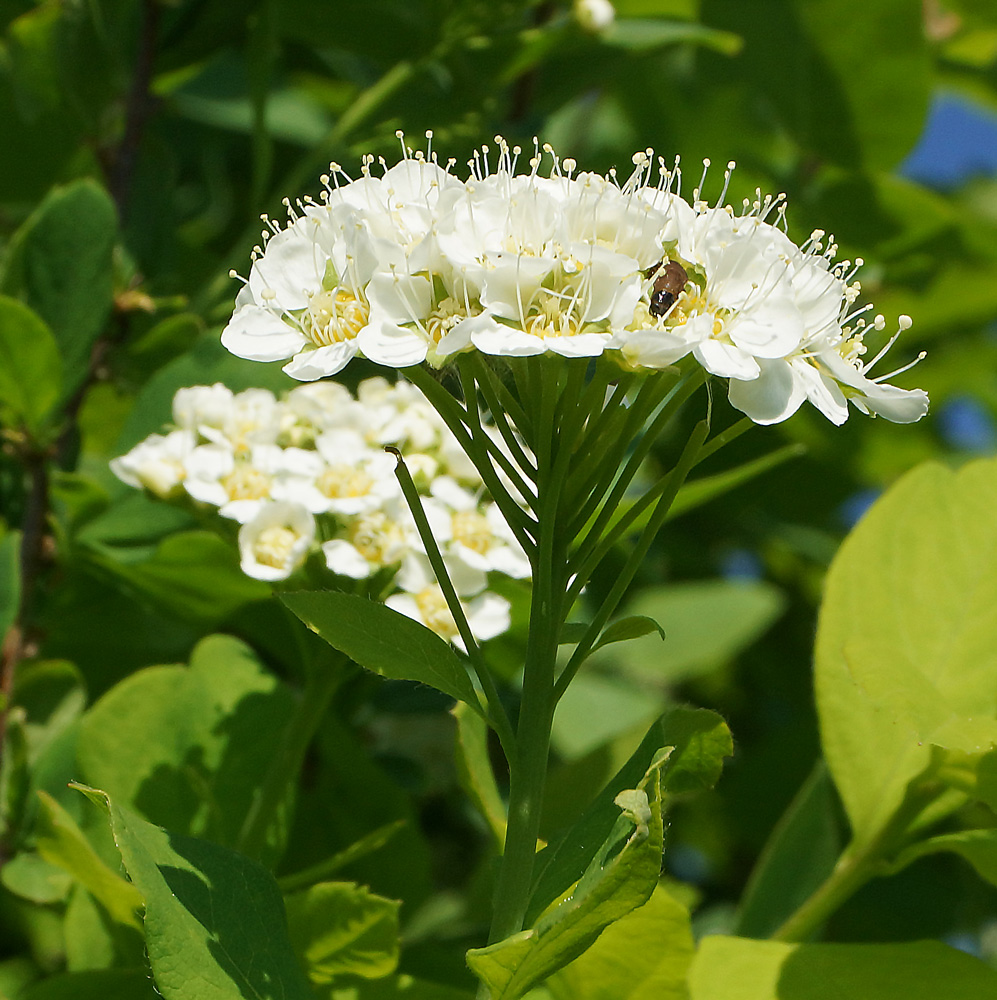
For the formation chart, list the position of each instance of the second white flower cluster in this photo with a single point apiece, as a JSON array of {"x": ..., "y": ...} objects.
[{"x": 307, "y": 475}]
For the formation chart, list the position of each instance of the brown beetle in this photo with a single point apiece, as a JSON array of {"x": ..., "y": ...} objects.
[{"x": 668, "y": 285}]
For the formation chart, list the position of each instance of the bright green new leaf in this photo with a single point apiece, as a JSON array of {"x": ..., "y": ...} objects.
[
  {"x": 645, "y": 954},
  {"x": 799, "y": 856},
  {"x": 906, "y": 650},
  {"x": 382, "y": 640},
  {"x": 342, "y": 929},
  {"x": 30, "y": 366},
  {"x": 621, "y": 877},
  {"x": 189, "y": 746},
  {"x": 474, "y": 770},
  {"x": 729, "y": 968},
  {"x": 215, "y": 926},
  {"x": 700, "y": 740},
  {"x": 60, "y": 264},
  {"x": 61, "y": 842}
]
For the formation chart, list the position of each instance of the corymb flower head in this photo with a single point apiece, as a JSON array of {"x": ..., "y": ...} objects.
[
  {"x": 305, "y": 485},
  {"x": 409, "y": 264}
]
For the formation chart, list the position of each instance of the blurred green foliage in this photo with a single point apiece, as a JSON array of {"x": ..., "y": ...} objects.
[{"x": 141, "y": 141}]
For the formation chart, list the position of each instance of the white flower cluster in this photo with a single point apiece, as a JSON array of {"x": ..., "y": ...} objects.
[
  {"x": 417, "y": 265},
  {"x": 309, "y": 473}
]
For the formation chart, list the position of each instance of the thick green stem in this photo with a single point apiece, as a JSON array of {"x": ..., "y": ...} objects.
[{"x": 528, "y": 765}]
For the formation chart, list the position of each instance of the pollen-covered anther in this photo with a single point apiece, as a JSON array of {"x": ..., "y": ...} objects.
[{"x": 335, "y": 316}]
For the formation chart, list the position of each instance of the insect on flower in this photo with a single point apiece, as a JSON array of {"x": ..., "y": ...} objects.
[{"x": 670, "y": 278}]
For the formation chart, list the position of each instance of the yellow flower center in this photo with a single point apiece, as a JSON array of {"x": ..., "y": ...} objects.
[
  {"x": 274, "y": 545},
  {"x": 553, "y": 315},
  {"x": 245, "y": 482},
  {"x": 335, "y": 316},
  {"x": 432, "y": 606},
  {"x": 377, "y": 538},
  {"x": 341, "y": 481},
  {"x": 473, "y": 530}
]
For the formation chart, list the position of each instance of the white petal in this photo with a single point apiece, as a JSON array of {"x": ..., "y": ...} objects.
[
  {"x": 725, "y": 360},
  {"x": 386, "y": 343},
  {"x": 581, "y": 345},
  {"x": 399, "y": 298},
  {"x": 258, "y": 334},
  {"x": 770, "y": 398},
  {"x": 322, "y": 361},
  {"x": 505, "y": 340},
  {"x": 344, "y": 559}
]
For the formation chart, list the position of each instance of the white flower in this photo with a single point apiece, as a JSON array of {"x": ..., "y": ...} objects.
[
  {"x": 476, "y": 535},
  {"x": 238, "y": 486},
  {"x": 488, "y": 614},
  {"x": 370, "y": 541},
  {"x": 594, "y": 16},
  {"x": 275, "y": 542},
  {"x": 202, "y": 406},
  {"x": 345, "y": 478},
  {"x": 157, "y": 464},
  {"x": 416, "y": 266},
  {"x": 305, "y": 298}
]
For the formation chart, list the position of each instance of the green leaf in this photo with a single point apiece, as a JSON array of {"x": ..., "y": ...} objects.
[
  {"x": 340, "y": 928},
  {"x": 572, "y": 633},
  {"x": 193, "y": 574},
  {"x": 106, "y": 984},
  {"x": 596, "y": 708},
  {"x": 621, "y": 877},
  {"x": 906, "y": 645},
  {"x": 30, "y": 366},
  {"x": 799, "y": 856},
  {"x": 728, "y": 968},
  {"x": 382, "y": 640},
  {"x": 190, "y": 746},
  {"x": 59, "y": 263},
  {"x": 92, "y": 940},
  {"x": 31, "y": 877},
  {"x": 10, "y": 579},
  {"x": 978, "y": 847},
  {"x": 16, "y": 975},
  {"x": 401, "y": 987},
  {"x": 373, "y": 841},
  {"x": 61, "y": 842},
  {"x": 881, "y": 65},
  {"x": 644, "y": 955},
  {"x": 700, "y": 740},
  {"x": 648, "y": 35},
  {"x": 696, "y": 492},
  {"x": 475, "y": 772},
  {"x": 706, "y": 623},
  {"x": 215, "y": 926},
  {"x": 632, "y": 627}
]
